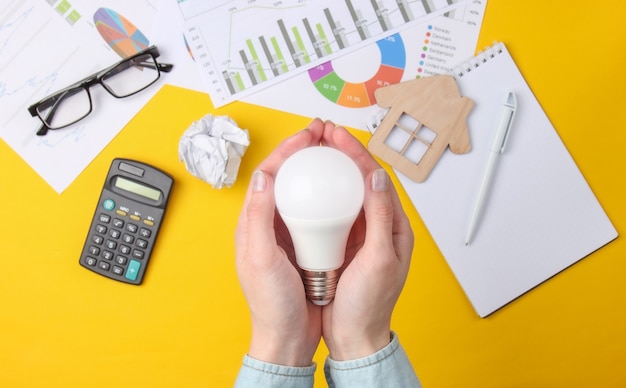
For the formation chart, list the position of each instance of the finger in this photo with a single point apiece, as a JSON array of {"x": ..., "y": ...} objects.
[
  {"x": 388, "y": 227},
  {"x": 307, "y": 137},
  {"x": 402, "y": 233},
  {"x": 258, "y": 196},
  {"x": 377, "y": 181},
  {"x": 257, "y": 218},
  {"x": 379, "y": 211},
  {"x": 339, "y": 138}
]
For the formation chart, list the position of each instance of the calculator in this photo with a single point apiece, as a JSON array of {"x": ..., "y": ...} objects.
[{"x": 127, "y": 220}]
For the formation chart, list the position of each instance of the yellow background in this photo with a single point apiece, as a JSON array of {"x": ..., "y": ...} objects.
[{"x": 188, "y": 324}]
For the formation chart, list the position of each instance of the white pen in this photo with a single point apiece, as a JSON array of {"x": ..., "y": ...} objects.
[{"x": 499, "y": 142}]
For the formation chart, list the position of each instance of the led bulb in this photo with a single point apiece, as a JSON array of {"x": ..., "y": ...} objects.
[{"x": 319, "y": 193}]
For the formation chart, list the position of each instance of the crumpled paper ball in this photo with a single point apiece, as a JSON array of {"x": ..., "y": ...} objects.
[{"x": 212, "y": 148}]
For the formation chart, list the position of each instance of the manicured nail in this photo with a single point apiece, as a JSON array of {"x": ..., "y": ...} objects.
[
  {"x": 380, "y": 180},
  {"x": 259, "y": 182}
]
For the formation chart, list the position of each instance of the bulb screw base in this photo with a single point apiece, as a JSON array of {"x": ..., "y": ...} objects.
[{"x": 320, "y": 286}]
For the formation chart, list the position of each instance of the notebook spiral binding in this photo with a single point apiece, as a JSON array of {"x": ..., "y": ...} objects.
[{"x": 462, "y": 69}]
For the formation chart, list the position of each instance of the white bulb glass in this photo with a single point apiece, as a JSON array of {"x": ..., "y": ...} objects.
[{"x": 319, "y": 193}]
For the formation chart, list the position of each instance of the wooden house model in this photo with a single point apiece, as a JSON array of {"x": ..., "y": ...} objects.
[{"x": 426, "y": 116}]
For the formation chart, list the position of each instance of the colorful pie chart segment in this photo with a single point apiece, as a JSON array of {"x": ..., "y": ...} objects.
[
  {"x": 360, "y": 95},
  {"x": 119, "y": 33}
]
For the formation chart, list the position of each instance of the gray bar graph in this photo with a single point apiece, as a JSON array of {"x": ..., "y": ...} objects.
[
  {"x": 229, "y": 82},
  {"x": 250, "y": 66},
  {"x": 289, "y": 43},
  {"x": 316, "y": 44},
  {"x": 429, "y": 7},
  {"x": 405, "y": 10},
  {"x": 359, "y": 23},
  {"x": 338, "y": 32},
  {"x": 451, "y": 13},
  {"x": 268, "y": 54},
  {"x": 382, "y": 15}
]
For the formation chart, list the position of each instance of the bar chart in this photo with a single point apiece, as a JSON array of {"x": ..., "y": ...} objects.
[
  {"x": 341, "y": 89},
  {"x": 242, "y": 46}
]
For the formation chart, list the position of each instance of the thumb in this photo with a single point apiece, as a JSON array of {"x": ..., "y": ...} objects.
[
  {"x": 379, "y": 211},
  {"x": 260, "y": 210}
]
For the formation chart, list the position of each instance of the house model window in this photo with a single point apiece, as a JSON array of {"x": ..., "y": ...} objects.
[{"x": 425, "y": 117}]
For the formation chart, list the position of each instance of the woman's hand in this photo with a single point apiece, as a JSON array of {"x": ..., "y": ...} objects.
[
  {"x": 357, "y": 322},
  {"x": 286, "y": 327}
]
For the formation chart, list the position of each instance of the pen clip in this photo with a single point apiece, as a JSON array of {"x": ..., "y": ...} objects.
[{"x": 508, "y": 115}]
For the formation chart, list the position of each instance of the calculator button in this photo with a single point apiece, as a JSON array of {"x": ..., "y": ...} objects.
[
  {"x": 121, "y": 260},
  {"x": 101, "y": 229},
  {"x": 145, "y": 232},
  {"x": 108, "y": 204},
  {"x": 131, "y": 228},
  {"x": 138, "y": 254},
  {"x": 118, "y": 223},
  {"x": 107, "y": 255},
  {"x": 118, "y": 270},
  {"x": 133, "y": 270},
  {"x": 121, "y": 212},
  {"x": 105, "y": 218},
  {"x": 97, "y": 239},
  {"x": 141, "y": 243},
  {"x": 125, "y": 249},
  {"x": 104, "y": 265},
  {"x": 135, "y": 217},
  {"x": 90, "y": 261},
  {"x": 148, "y": 222},
  {"x": 94, "y": 250},
  {"x": 115, "y": 233},
  {"x": 111, "y": 244},
  {"x": 128, "y": 238}
]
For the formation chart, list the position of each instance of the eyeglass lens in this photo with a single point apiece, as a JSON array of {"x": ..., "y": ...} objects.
[
  {"x": 132, "y": 76},
  {"x": 125, "y": 79},
  {"x": 65, "y": 108}
]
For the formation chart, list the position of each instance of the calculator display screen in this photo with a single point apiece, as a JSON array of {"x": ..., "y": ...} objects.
[{"x": 136, "y": 188}]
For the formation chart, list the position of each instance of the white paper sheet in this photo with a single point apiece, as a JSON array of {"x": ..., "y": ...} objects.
[{"x": 46, "y": 46}]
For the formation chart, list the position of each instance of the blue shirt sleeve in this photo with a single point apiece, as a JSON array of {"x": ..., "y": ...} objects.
[
  {"x": 389, "y": 367},
  {"x": 255, "y": 373}
]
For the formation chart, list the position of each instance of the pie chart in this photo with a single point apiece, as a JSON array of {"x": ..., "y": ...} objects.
[
  {"x": 119, "y": 33},
  {"x": 361, "y": 95}
]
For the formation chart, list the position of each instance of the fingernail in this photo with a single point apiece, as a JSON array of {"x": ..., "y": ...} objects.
[
  {"x": 259, "y": 183},
  {"x": 380, "y": 180}
]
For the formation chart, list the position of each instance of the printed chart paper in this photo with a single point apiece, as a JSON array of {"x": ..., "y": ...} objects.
[
  {"x": 342, "y": 90},
  {"x": 48, "y": 45},
  {"x": 243, "y": 46}
]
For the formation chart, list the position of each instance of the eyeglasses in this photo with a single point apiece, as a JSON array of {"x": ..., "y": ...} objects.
[{"x": 125, "y": 78}]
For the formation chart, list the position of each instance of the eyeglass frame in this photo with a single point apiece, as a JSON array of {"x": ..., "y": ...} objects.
[{"x": 94, "y": 79}]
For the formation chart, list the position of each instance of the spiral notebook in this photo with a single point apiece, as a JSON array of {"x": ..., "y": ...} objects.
[{"x": 540, "y": 216}]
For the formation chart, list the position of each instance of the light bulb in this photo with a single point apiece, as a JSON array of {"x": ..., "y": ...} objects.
[{"x": 319, "y": 193}]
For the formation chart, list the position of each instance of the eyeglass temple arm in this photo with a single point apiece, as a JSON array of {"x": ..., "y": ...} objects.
[
  {"x": 43, "y": 129},
  {"x": 164, "y": 67}
]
